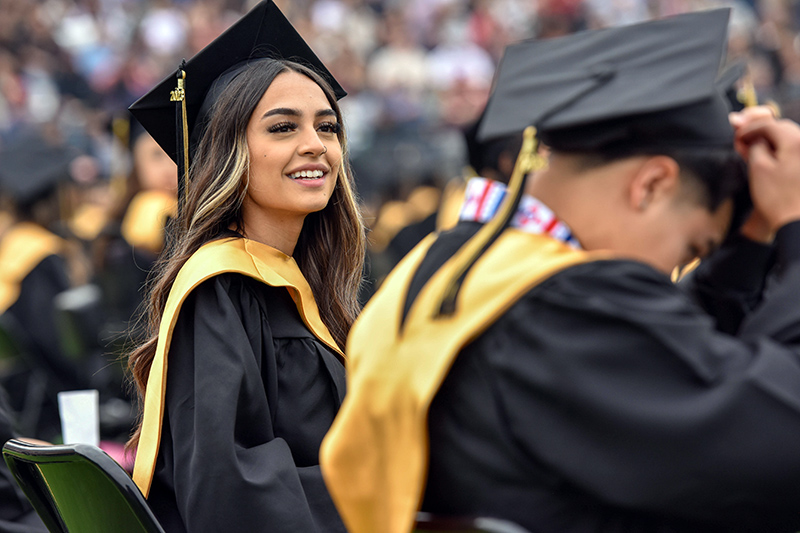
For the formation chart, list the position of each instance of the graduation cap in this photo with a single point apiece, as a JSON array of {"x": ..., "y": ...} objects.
[
  {"x": 651, "y": 84},
  {"x": 173, "y": 115},
  {"x": 648, "y": 87},
  {"x": 738, "y": 97},
  {"x": 483, "y": 154},
  {"x": 31, "y": 167}
]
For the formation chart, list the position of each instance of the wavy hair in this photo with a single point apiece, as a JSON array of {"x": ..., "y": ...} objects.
[{"x": 330, "y": 249}]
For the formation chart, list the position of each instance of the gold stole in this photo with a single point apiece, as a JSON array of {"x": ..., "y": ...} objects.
[
  {"x": 375, "y": 457},
  {"x": 144, "y": 221},
  {"x": 241, "y": 256},
  {"x": 22, "y": 248}
]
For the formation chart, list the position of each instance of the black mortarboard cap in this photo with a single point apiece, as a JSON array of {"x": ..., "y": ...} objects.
[
  {"x": 728, "y": 81},
  {"x": 264, "y": 32},
  {"x": 31, "y": 166},
  {"x": 487, "y": 153},
  {"x": 650, "y": 84}
]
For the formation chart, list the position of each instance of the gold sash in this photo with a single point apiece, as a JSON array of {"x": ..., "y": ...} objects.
[
  {"x": 374, "y": 458},
  {"x": 242, "y": 256},
  {"x": 144, "y": 221},
  {"x": 22, "y": 248}
]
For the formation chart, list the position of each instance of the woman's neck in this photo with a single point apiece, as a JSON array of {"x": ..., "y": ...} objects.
[{"x": 280, "y": 233}]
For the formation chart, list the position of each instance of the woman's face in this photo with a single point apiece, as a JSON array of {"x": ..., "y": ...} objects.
[{"x": 294, "y": 152}]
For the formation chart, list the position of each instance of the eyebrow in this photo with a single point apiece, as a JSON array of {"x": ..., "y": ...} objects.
[{"x": 296, "y": 112}]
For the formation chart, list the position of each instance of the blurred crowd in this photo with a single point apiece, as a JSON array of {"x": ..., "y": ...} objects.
[{"x": 418, "y": 72}]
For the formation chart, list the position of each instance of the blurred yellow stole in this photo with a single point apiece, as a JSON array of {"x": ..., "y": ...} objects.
[
  {"x": 237, "y": 255},
  {"x": 22, "y": 248},
  {"x": 146, "y": 217},
  {"x": 375, "y": 457}
]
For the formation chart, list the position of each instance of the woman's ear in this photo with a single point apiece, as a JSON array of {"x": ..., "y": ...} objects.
[{"x": 657, "y": 179}]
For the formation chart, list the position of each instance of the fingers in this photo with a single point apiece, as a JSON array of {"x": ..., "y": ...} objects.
[
  {"x": 746, "y": 124},
  {"x": 780, "y": 134},
  {"x": 773, "y": 154},
  {"x": 750, "y": 114},
  {"x": 761, "y": 155}
]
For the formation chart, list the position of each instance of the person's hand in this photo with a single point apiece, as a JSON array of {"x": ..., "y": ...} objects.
[
  {"x": 772, "y": 150},
  {"x": 746, "y": 118},
  {"x": 757, "y": 229}
]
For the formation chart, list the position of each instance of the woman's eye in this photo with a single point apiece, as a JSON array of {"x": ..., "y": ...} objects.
[
  {"x": 282, "y": 127},
  {"x": 330, "y": 127}
]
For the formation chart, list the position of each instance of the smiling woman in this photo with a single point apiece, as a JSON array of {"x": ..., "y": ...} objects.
[
  {"x": 295, "y": 158},
  {"x": 242, "y": 371}
]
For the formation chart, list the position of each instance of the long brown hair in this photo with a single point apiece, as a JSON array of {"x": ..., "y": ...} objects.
[{"x": 329, "y": 251}]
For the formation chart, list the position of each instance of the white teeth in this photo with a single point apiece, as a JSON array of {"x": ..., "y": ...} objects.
[{"x": 307, "y": 174}]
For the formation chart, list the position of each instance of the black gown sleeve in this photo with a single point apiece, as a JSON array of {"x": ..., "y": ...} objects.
[
  {"x": 35, "y": 312},
  {"x": 608, "y": 375},
  {"x": 229, "y": 469},
  {"x": 16, "y": 513},
  {"x": 729, "y": 284},
  {"x": 778, "y": 316}
]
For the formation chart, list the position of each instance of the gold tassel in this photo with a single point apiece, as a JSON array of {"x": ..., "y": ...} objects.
[
  {"x": 528, "y": 160},
  {"x": 179, "y": 95}
]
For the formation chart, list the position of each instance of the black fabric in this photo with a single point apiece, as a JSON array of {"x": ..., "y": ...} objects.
[
  {"x": 606, "y": 400},
  {"x": 734, "y": 280},
  {"x": 651, "y": 84},
  {"x": 250, "y": 395},
  {"x": 730, "y": 283},
  {"x": 35, "y": 330},
  {"x": 407, "y": 238},
  {"x": 16, "y": 513},
  {"x": 35, "y": 313},
  {"x": 788, "y": 239},
  {"x": 440, "y": 251}
]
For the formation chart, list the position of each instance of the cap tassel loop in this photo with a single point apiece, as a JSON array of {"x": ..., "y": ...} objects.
[
  {"x": 182, "y": 139},
  {"x": 748, "y": 96},
  {"x": 528, "y": 160}
]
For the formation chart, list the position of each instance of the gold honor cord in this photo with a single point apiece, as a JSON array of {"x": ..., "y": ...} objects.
[
  {"x": 528, "y": 160},
  {"x": 748, "y": 96},
  {"x": 179, "y": 95},
  {"x": 747, "y": 93}
]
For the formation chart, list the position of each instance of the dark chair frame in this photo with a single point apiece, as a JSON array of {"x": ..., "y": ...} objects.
[{"x": 92, "y": 468}]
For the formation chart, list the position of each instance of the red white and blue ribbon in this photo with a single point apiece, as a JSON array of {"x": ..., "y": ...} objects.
[
  {"x": 533, "y": 216},
  {"x": 484, "y": 196},
  {"x": 482, "y": 199}
]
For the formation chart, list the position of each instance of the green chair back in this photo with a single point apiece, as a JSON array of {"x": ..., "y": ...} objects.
[{"x": 79, "y": 489}]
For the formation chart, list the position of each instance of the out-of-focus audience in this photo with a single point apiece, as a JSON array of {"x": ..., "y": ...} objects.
[{"x": 418, "y": 72}]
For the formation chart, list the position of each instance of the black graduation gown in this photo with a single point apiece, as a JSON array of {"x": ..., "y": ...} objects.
[
  {"x": 251, "y": 394},
  {"x": 35, "y": 313},
  {"x": 606, "y": 400},
  {"x": 16, "y": 513}
]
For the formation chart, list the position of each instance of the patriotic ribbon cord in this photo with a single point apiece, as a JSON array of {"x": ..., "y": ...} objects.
[
  {"x": 533, "y": 216},
  {"x": 484, "y": 196},
  {"x": 482, "y": 199}
]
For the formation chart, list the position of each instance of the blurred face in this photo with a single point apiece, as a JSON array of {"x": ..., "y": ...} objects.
[
  {"x": 154, "y": 168},
  {"x": 294, "y": 152},
  {"x": 639, "y": 207},
  {"x": 676, "y": 233}
]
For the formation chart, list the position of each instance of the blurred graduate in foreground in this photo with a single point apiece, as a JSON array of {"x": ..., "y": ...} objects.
[{"x": 542, "y": 367}]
